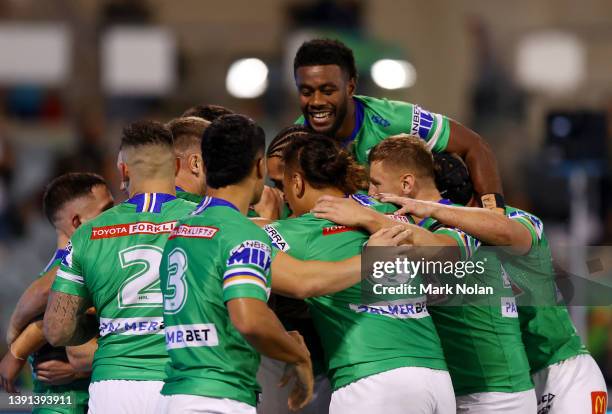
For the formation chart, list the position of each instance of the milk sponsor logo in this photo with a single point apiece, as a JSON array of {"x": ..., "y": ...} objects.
[{"x": 130, "y": 229}]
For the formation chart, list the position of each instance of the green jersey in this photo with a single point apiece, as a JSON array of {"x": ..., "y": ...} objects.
[
  {"x": 378, "y": 119},
  {"x": 114, "y": 263},
  {"x": 194, "y": 198},
  {"x": 359, "y": 339},
  {"x": 481, "y": 340},
  {"x": 548, "y": 332},
  {"x": 213, "y": 256},
  {"x": 78, "y": 390}
]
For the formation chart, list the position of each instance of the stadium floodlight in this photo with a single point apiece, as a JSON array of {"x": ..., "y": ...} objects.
[
  {"x": 551, "y": 61},
  {"x": 247, "y": 78},
  {"x": 393, "y": 74}
]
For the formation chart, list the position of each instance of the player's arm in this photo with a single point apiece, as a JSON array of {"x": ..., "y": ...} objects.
[
  {"x": 478, "y": 157},
  {"x": 31, "y": 305},
  {"x": 81, "y": 356},
  {"x": 65, "y": 321},
  {"x": 486, "y": 225},
  {"x": 304, "y": 279}
]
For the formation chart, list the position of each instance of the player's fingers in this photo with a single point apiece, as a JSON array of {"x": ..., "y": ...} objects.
[
  {"x": 43, "y": 365},
  {"x": 326, "y": 198},
  {"x": 391, "y": 198},
  {"x": 405, "y": 235},
  {"x": 402, "y": 211}
]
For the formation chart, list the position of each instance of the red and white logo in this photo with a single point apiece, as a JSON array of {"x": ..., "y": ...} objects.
[
  {"x": 130, "y": 229},
  {"x": 193, "y": 232}
]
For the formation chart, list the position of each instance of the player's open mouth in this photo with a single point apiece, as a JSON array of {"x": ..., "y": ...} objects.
[{"x": 320, "y": 118}]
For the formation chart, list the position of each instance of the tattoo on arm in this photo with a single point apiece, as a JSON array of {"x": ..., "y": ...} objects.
[{"x": 66, "y": 322}]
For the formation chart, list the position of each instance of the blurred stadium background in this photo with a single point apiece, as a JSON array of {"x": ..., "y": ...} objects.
[{"x": 533, "y": 78}]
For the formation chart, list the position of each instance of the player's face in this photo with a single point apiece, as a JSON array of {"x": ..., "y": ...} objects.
[
  {"x": 276, "y": 168},
  {"x": 99, "y": 201},
  {"x": 324, "y": 92},
  {"x": 382, "y": 180}
]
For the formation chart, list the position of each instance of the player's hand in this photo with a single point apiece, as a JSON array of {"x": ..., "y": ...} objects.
[
  {"x": 302, "y": 390},
  {"x": 407, "y": 205},
  {"x": 55, "y": 372},
  {"x": 270, "y": 204},
  {"x": 344, "y": 211},
  {"x": 391, "y": 236},
  {"x": 9, "y": 369}
]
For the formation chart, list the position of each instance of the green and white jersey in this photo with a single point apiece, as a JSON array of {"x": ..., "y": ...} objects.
[
  {"x": 213, "y": 256},
  {"x": 194, "y": 198},
  {"x": 359, "y": 339},
  {"x": 548, "y": 332},
  {"x": 113, "y": 262},
  {"x": 378, "y": 119},
  {"x": 78, "y": 390},
  {"x": 481, "y": 337}
]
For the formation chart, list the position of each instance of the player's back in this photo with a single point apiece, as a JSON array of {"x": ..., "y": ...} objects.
[
  {"x": 213, "y": 256},
  {"x": 116, "y": 257},
  {"x": 360, "y": 338}
]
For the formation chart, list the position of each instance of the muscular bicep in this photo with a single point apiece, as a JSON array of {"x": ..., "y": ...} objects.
[{"x": 60, "y": 321}]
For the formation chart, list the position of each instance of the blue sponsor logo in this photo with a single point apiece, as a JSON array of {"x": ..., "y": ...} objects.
[
  {"x": 363, "y": 199},
  {"x": 251, "y": 252},
  {"x": 380, "y": 121},
  {"x": 422, "y": 122}
]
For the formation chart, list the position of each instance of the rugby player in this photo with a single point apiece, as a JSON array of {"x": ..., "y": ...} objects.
[
  {"x": 215, "y": 280},
  {"x": 566, "y": 377},
  {"x": 113, "y": 264},
  {"x": 482, "y": 344},
  {"x": 69, "y": 201},
  {"x": 326, "y": 79},
  {"x": 190, "y": 178},
  {"x": 374, "y": 358}
]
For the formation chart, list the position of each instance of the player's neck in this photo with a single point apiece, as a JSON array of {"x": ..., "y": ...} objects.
[
  {"x": 152, "y": 186},
  {"x": 348, "y": 125},
  {"x": 312, "y": 195},
  {"x": 62, "y": 239},
  {"x": 238, "y": 195},
  {"x": 187, "y": 185}
]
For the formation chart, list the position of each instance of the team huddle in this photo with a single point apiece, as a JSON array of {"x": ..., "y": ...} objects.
[{"x": 207, "y": 291}]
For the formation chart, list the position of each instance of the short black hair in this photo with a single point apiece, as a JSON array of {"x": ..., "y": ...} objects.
[
  {"x": 284, "y": 136},
  {"x": 326, "y": 52},
  {"x": 65, "y": 188},
  {"x": 230, "y": 146},
  {"x": 141, "y": 133},
  {"x": 207, "y": 112}
]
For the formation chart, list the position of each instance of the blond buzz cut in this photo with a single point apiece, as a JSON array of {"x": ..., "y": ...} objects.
[
  {"x": 187, "y": 132},
  {"x": 405, "y": 152}
]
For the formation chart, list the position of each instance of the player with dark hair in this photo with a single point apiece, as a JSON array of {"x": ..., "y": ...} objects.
[
  {"x": 375, "y": 356},
  {"x": 207, "y": 112},
  {"x": 326, "y": 79},
  {"x": 567, "y": 379},
  {"x": 113, "y": 264},
  {"x": 481, "y": 340},
  {"x": 69, "y": 201},
  {"x": 215, "y": 277},
  {"x": 190, "y": 178}
]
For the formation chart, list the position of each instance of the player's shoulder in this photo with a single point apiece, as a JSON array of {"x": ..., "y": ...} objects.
[
  {"x": 384, "y": 105},
  {"x": 530, "y": 219}
]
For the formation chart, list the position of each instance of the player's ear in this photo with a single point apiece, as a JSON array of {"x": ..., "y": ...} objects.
[
  {"x": 407, "y": 184},
  {"x": 260, "y": 166},
  {"x": 351, "y": 86},
  {"x": 194, "y": 164},
  {"x": 75, "y": 222},
  {"x": 299, "y": 185},
  {"x": 125, "y": 176}
]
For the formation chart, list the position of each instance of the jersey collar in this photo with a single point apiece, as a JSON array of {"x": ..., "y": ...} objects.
[
  {"x": 358, "y": 123},
  {"x": 208, "y": 202},
  {"x": 150, "y": 202},
  {"x": 177, "y": 188}
]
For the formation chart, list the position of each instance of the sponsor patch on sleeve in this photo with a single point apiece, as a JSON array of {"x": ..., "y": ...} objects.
[{"x": 277, "y": 239}]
